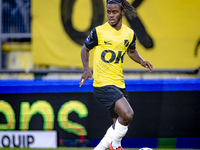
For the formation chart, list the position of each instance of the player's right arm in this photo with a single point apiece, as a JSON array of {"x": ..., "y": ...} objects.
[
  {"x": 90, "y": 43},
  {"x": 85, "y": 61}
]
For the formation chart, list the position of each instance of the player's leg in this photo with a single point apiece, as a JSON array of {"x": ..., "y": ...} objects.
[
  {"x": 106, "y": 95},
  {"x": 125, "y": 112},
  {"x": 106, "y": 140},
  {"x": 108, "y": 137}
]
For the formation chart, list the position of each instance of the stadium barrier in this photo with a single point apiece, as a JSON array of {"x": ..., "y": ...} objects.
[{"x": 166, "y": 111}]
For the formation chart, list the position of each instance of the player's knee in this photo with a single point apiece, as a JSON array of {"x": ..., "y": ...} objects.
[
  {"x": 130, "y": 114},
  {"x": 127, "y": 117}
]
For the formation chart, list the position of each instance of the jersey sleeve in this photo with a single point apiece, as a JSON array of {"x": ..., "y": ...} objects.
[
  {"x": 132, "y": 45},
  {"x": 92, "y": 39}
]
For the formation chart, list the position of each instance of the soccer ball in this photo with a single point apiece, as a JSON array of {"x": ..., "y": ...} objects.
[{"x": 145, "y": 148}]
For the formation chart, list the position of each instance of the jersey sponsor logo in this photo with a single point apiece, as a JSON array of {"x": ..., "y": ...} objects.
[
  {"x": 113, "y": 57},
  {"x": 108, "y": 42},
  {"x": 126, "y": 43}
]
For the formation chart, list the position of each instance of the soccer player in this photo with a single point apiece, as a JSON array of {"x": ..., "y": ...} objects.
[{"x": 110, "y": 42}]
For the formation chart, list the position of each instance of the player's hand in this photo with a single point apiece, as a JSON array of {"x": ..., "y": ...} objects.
[
  {"x": 147, "y": 64},
  {"x": 87, "y": 74}
]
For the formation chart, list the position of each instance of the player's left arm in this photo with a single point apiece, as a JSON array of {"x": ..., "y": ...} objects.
[{"x": 134, "y": 55}]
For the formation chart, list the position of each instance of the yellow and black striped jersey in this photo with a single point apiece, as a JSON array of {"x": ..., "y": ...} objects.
[{"x": 109, "y": 47}]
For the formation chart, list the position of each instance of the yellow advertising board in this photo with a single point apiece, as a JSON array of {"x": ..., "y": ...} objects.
[{"x": 168, "y": 31}]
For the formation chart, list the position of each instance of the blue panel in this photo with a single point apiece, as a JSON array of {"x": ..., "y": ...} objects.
[
  {"x": 133, "y": 142},
  {"x": 43, "y": 86},
  {"x": 140, "y": 142},
  {"x": 163, "y": 85},
  {"x": 188, "y": 143},
  {"x": 95, "y": 142},
  {"x": 68, "y": 86}
]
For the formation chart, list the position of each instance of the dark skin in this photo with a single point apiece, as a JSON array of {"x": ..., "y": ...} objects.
[{"x": 122, "y": 107}]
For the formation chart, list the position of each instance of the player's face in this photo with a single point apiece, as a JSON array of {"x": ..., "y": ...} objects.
[{"x": 114, "y": 14}]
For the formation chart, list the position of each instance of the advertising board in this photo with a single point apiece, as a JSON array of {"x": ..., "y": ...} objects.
[{"x": 28, "y": 139}]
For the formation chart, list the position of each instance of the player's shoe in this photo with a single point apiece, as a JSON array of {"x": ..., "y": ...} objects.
[{"x": 110, "y": 147}]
